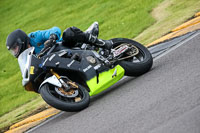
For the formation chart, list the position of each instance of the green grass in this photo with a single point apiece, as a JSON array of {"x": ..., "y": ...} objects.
[
  {"x": 18, "y": 114},
  {"x": 169, "y": 14},
  {"x": 117, "y": 18}
]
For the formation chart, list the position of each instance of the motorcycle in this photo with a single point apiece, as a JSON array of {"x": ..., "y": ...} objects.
[{"x": 67, "y": 78}]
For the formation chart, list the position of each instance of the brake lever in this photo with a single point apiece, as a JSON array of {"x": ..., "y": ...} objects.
[{"x": 43, "y": 51}]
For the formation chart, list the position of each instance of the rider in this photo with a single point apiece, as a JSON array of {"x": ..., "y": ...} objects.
[{"x": 18, "y": 41}]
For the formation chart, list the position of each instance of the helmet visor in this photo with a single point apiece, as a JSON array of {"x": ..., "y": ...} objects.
[{"x": 14, "y": 50}]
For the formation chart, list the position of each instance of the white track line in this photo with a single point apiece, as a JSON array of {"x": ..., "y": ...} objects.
[{"x": 176, "y": 46}]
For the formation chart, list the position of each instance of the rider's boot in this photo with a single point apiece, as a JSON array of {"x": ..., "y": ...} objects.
[
  {"x": 107, "y": 44},
  {"x": 92, "y": 33},
  {"x": 93, "y": 29}
]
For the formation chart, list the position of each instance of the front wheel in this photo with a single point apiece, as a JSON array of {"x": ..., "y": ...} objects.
[
  {"x": 137, "y": 64},
  {"x": 72, "y": 100}
]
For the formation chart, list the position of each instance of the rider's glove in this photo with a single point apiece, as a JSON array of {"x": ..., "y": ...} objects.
[
  {"x": 53, "y": 37},
  {"x": 52, "y": 40}
]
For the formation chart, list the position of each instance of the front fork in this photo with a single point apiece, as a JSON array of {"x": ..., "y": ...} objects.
[{"x": 64, "y": 84}]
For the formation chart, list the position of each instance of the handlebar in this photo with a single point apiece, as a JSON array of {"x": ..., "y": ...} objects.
[{"x": 47, "y": 49}]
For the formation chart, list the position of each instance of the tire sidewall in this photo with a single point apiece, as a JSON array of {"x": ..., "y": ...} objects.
[{"x": 65, "y": 106}]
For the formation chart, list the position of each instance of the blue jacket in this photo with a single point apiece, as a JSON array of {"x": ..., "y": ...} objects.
[{"x": 38, "y": 38}]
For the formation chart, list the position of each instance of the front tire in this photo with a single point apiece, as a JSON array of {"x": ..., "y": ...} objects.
[
  {"x": 56, "y": 100},
  {"x": 138, "y": 65}
]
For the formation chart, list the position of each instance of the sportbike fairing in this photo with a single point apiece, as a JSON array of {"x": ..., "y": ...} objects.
[
  {"x": 88, "y": 69},
  {"x": 24, "y": 61},
  {"x": 105, "y": 79},
  {"x": 97, "y": 76}
]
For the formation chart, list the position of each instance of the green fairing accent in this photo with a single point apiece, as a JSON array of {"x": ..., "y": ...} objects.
[{"x": 105, "y": 80}]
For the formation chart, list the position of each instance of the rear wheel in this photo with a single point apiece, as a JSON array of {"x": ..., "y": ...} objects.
[
  {"x": 75, "y": 99},
  {"x": 138, "y": 64}
]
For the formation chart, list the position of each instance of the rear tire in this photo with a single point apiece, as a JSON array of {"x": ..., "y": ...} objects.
[
  {"x": 50, "y": 97},
  {"x": 135, "y": 68}
]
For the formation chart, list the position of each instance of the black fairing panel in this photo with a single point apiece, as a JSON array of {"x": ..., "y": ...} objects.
[
  {"x": 74, "y": 68},
  {"x": 35, "y": 63}
]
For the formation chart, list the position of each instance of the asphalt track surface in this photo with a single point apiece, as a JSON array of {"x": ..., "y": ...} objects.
[{"x": 164, "y": 100}]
